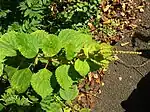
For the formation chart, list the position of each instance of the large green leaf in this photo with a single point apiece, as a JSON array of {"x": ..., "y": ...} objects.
[
  {"x": 20, "y": 81},
  {"x": 69, "y": 94},
  {"x": 10, "y": 39},
  {"x": 62, "y": 76},
  {"x": 82, "y": 40},
  {"x": 40, "y": 35},
  {"x": 75, "y": 40},
  {"x": 27, "y": 44},
  {"x": 82, "y": 67},
  {"x": 8, "y": 44},
  {"x": 41, "y": 82},
  {"x": 67, "y": 36},
  {"x": 6, "y": 49},
  {"x": 51, "y": 45}
]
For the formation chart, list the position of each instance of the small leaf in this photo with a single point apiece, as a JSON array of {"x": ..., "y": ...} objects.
[
  {"x": 69, "y": 94},
  {"x": 44, "y": 2},
  {"x": 23, "y": 101},
  {"x": 51, "y": 45},
  {"x": 105, "y": 46},
  {"x": 27, "y": 12},
  {"x": 1, "y": 107},
  {"x": 106, "y": 50},
  {"x": 91, "y": 48},
  {"x": 27, "y": 44},
  {"x": 20, "y": 81},
  {"x": 33, "y": 98},
  {"x": 67, "y": 109},
  {"x": 41, "y": 82},
  {"x": 50, "y": 105},
  {"x": 29, "y": 2},
  {"x": 82, "y": 67},
  {"x": 62, "y": 76},
  {"x": 70, "y": 51},
  {"x": 105, "y": 63}
]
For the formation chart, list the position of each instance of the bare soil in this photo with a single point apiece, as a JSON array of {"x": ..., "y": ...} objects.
[{"x": 127, "y": 88}]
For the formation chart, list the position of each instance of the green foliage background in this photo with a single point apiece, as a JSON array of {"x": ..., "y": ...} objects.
[
  {"x": 42, "y": 58},
  {"x": 49, "y": 15}
]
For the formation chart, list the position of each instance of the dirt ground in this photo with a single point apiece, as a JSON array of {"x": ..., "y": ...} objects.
[{"x": 127, "y": 87}]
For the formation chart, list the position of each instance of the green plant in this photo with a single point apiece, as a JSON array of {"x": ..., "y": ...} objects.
[
  {"x": 73, "y": 14},
  {"x": 23, "y": 16},
  {"x": 49, "y": 15},
  {"x": 42, "y": 70}
]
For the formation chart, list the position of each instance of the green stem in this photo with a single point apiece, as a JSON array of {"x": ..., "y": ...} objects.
[
  {"x": 46, "y": 64},
  {"x": 126, "y": 52},
  {"x": 59, "y": 100}
]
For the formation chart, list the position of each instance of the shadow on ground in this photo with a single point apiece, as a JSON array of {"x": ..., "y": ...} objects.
[
  {"x": 145, "y": 52},
  {"x": 127, "y": 89},
  {"x": 139, "y": 99},
  {"x": 139, "y": 36}
]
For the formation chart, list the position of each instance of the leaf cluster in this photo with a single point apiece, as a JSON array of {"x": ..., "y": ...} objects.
[
  {"x": 74, "y": 14},
  {"x": 44, "y": 69},
  {"x": 49, "y": 15},
  {"x": 23, "y": 15}
]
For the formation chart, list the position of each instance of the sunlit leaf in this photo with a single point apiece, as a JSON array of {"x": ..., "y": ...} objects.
[
  {"x": 62, "y": 76},
  {"x": 50, "y": 105},
  {"x": 41, "y": 82},
  {"x": 51, "y": 45},
  {"x": 69, "y": 94},
  {"x": 20, "y": 81},
  {"x": 82, "y": 67},
  {"x": 27, "y": 44}
]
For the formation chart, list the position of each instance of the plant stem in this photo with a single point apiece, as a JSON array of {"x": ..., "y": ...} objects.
[{"x": 46, "y": 64}]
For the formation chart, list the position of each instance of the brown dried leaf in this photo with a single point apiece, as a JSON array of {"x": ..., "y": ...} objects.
[
  {"x": 107, "y": 22},
  {"x": 141, "y": 10},
  {"x": 98, "y": 80},
  {"x": 106, "y": 8},
  {"x": 90, "y": 76},
  {"x": 92, "y": 27},
  {"x": 123, "y": 6},
  {"x": 122, "y": 14},
  {"x": 104, "y": 18},
  {"x": 95, "y": 76},
  {"x": 80, "y": 96}
]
